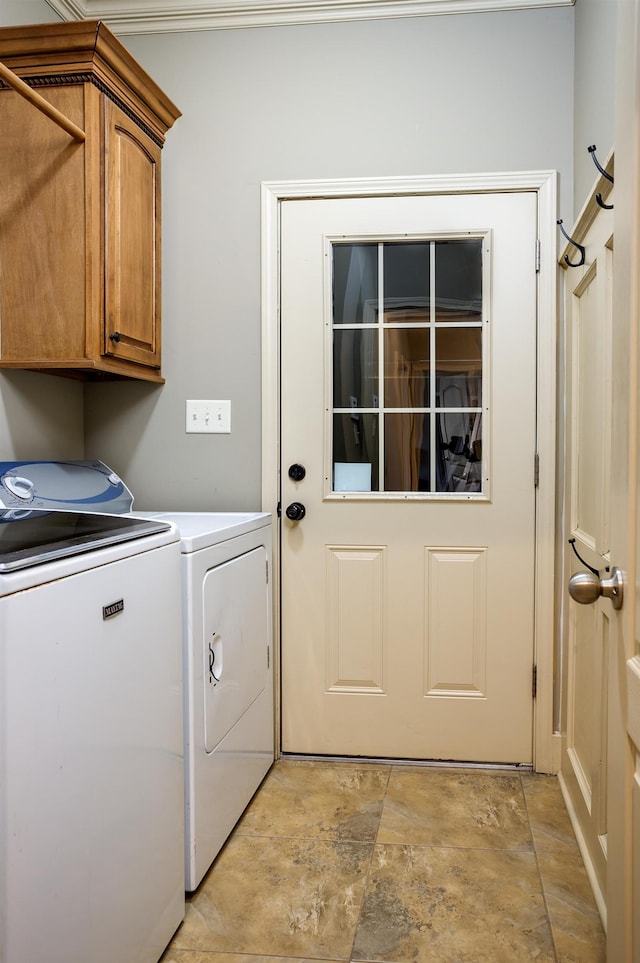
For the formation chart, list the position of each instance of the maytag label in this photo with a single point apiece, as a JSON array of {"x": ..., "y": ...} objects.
[{"x": 108, "y": 611}]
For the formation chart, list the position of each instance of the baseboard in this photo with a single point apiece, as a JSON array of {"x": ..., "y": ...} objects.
[{"x": 598, "y": 895}]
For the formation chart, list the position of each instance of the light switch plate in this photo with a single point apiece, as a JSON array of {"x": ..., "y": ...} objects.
[{"x": 209, "y": 417}]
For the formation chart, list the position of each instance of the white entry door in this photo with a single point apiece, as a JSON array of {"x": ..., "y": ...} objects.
[
  {"x": 408, "y": 354},
  {"x": 591, "y": 627},
  {"x": 623, "y": 769}
]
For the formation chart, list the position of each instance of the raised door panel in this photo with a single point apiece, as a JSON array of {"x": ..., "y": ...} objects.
[
  {"x": 355, "y": 619},
  {"x": 132, "y": 253}
]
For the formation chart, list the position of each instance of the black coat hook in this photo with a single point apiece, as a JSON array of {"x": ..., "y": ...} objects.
[
  {"x": 572, "y": 543},
  {"x": 575, "y": 244},
  {"x": 601, "y": 203},
  {"x": 592, "y": 151}
]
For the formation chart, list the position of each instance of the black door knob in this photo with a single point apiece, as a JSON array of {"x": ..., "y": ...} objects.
[
  {"x": 295, "y": 512},
  {"x": 297, "y": 472}
]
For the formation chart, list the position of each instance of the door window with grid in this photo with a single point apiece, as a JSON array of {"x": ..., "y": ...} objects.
[{"x": 408, "y": 349}]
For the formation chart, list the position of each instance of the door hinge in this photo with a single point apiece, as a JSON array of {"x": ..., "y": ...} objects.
[
  {"x": 537, "y": 256},
  {"x": 534, "y": 681},
  {"x": 267, "y": 568},
  {"x": 536, "y": 470},
  {"x": 279, "y": 510},
  {"x": 268, "y": 657}
]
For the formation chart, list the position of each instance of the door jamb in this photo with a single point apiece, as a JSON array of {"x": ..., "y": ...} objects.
[{"x": 546, "y": 744}]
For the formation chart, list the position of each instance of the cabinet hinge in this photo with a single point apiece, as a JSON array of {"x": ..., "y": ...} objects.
[
  {"x": 534, "y": 681},
  {"x": 537, "y": 255},
  {"x": 536, "y": 470}
]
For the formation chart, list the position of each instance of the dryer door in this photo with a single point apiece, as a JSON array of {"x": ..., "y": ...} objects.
[{"x": 236, "y": 638}]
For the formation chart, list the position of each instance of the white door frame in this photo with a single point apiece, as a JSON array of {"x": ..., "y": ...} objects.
[{"x": 546, "y": 748}]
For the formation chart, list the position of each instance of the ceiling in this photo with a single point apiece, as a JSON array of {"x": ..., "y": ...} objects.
[{"x": 160, "y": 16}]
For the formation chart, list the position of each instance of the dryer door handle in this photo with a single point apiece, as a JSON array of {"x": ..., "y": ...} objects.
[
  {"x": 215, "y": 660},
  {"x": 215, "y": 665}
]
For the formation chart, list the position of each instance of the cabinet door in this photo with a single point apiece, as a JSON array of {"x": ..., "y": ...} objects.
[{"x": 132, "y": 241}]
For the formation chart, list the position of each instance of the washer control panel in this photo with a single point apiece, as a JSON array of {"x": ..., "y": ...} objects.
[{"x": 78, "y": 486}]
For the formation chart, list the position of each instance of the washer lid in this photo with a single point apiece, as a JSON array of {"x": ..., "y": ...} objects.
[
  {"x": 30, "y": 538},
  {"x": 79, "y": 486}
]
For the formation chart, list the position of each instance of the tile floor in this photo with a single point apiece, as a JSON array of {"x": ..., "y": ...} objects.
[{"x": 356, "y": 862}]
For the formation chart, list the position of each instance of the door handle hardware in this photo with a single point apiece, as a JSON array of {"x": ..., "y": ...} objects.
[
  {"x": 215, "y": 671},
  {"x": 297, "y": 472},
  {"x": 585, "y": 587},
  {"x": 295, "y": 512},
  {"x": 115, "y": 336}
]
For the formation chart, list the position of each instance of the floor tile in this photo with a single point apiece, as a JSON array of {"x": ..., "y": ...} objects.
[
  {"x": 287, "y": 897},
  {"x": 550, "y": 824},
  {"x": 453, "y": 906},
  {"x": 195, "y": 956},
  {"x": 436, "y": 807},
  {"x": 456, "y": 875},
  {"x": 575, "y": 921},
  {"x": 301, "y": 799}
]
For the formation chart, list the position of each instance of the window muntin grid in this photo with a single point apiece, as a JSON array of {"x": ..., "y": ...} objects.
[{"x": 408, "y": 373}]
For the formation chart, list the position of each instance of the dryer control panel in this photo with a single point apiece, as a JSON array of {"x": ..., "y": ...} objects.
[{"x": 74, "y": 486}]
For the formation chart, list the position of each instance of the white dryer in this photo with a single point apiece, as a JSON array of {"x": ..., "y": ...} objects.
[{"x": 228, "y": 673}]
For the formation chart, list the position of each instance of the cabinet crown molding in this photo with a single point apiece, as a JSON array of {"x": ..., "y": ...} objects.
[
  {"x": 170, "y": 16},
  {"x": 50, "y": 53}
]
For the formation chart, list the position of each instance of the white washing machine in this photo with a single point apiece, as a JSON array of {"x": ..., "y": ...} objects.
[
  {"x": 226, "y": 641},
  {"x": 91, "y": 747},
  {"x": 228, "y": 672}
]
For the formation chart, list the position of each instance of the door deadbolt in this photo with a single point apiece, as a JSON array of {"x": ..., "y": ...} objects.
[
  {"x": 297, "y": 472},
  {"x": 587, "y": 587}
]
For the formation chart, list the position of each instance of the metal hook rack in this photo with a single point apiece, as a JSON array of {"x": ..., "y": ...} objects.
[
  {"x": 605, "y": 174},
  {"x": 576, "y": 245}
]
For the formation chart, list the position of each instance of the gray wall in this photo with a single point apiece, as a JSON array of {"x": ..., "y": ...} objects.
[
  {"x": 433, "y": 95},
  {"x": 594, "y": 105},
  {"x": 14, "y": 12}
]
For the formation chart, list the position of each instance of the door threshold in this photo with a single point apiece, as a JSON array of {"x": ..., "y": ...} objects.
[{"x": 427, "y": 763}]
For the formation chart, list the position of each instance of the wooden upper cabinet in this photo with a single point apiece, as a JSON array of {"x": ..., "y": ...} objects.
[{"x": 80, "y": 286}]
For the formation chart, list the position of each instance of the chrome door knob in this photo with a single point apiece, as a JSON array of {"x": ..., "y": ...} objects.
[
  {"x": 613, "y": 587},
  {"x": 584, "y": 587},
  {"x": 587, "y": 587}
]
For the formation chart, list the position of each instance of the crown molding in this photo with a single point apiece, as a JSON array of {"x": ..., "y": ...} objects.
[{"x": 171, "y": 16}]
